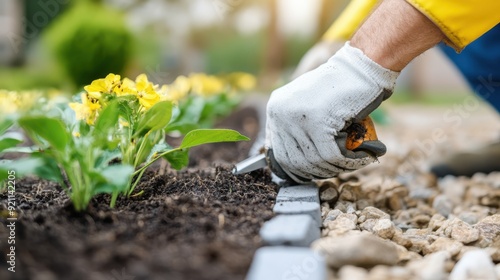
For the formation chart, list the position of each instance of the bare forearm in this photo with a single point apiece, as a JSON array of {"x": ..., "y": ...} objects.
[{"x": 396, "y": 33}]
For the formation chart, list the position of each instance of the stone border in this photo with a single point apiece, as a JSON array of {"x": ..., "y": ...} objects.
[{"x": 289, "y": 235}]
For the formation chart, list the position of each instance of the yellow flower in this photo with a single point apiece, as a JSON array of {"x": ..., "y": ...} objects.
[
  {"x": 101, "y": 86},
  {"x": 146, "y": 92},
  {"x": 127, "y": 87},
  {"x": 87, "y": 110},
  {"x": 81, "y": 111},
  {"x": 96, "y": 88},
  {"x": 112, "y": 80},
  {"x": 142, "y": 82},
  {"x": 242, "y": 81},
  {"x": 76, "y": 134},
  {"x": 182, "y": 84},
  {"x": 206, "y": 85},
  {"x": 177, "y": 90},
  {"x": 148, "y": 99},
  {"x": 13, "y": 101}
]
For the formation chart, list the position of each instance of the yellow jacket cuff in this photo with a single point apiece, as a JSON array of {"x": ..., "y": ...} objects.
[{"x": 461, "y": 21}]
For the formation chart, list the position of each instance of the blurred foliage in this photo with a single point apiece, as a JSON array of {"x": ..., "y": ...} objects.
[
  {"x": 234, "y": 52},
  {"x": 147, "y": 51},
  {"x": 40, "y": 14},
  {"x": 295, "y": 48},
  {"x": 27, "y": 79},
  {"x": 90, "y": 41},
  {"x": 228, "y": 52}
]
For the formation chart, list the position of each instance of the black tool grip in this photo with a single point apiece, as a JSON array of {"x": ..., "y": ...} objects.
[{"x": 278, "y": 171}]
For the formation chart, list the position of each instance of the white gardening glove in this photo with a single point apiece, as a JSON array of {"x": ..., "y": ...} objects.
[
  {"x": 306, "y": 118},
  {"x": 316, "y": 56}
]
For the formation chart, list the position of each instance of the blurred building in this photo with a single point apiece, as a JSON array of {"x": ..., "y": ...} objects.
[{"x": 11, "y": 33}]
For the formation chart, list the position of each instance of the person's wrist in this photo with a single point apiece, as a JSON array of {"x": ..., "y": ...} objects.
[
  {"x": 355, "y": 58},
  {"x": 393, "y": 45}
]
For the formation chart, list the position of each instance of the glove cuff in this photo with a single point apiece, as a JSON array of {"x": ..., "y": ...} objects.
[{"x": 357, "y": 60}]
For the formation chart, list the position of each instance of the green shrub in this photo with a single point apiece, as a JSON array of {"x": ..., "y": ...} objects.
[{"x": 90, "y": 41}]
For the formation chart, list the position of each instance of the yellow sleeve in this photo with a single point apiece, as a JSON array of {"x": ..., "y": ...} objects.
[
  {"x": 462, "y": 21},
  {"x": 351, "y": 18}
]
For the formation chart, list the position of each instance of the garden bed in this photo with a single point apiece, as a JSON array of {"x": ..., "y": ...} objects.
[{"x": 201, "y": 223}]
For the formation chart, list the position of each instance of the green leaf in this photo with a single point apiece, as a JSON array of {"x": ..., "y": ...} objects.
[
  {"x": 10, "y": 140},
  {"x": 191, "y": 109},
  {"x": 83, "y": 128},
  {"x": 156, "y": 118},
  {"x": 124, "y": 109},
  {"x": 205, "y": 136},
  {"x": 107, "y": 119},
  {"x": 23, "y": 150},
  {"x": 217, "y": 107},
  {"x": 147, "y": 146},
  {"x": 39, "y": 166},
  {"x": 158, "y": 149},
  {"x": 106, "y": 157},
  {"x": 104, "y": 187},
  {"x": 118, "y": 174},
  {"x": 178, "y": 159},
  {"x": 50, "y": 129},
  {"x": 5, "y": 124},
  {"x": 117, "y": 179}
]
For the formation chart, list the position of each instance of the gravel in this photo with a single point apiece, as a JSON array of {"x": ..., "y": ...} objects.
[{"x": 394, "y": 220}]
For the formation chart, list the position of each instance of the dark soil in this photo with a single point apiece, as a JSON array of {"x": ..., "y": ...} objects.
[
  {"x": 201, "y": 223},
  {"x": 246, "y": 122}
]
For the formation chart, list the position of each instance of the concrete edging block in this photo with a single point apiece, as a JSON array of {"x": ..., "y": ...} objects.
[
  {"x": 299, "y": 207},
  {"x": 305, "y": 193},
  {"x": 291, "y": 230},
  {"x": 271, "y": 263}
]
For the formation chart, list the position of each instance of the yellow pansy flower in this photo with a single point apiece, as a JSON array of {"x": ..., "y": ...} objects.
[
  {"x": 142, "y": 82},
  {"x": 96, "y": 88},
  {"x": 13, "y": 101},
  {"x": 127, "y": 87},
  {"x": 182, "y": 84},
  {"x": 81, "y": 111},
  {"x": 206, "y": 85},
  {"x": 146, "y": 92},
  {"x": 177, "y": 90},
  {"x": 87, "y": 110},
  {"x": 101, "y": 86},
  {"x": 112, "y": 80},
  {"x": 148, "y": 99},
  {"x": 242, "y": 81}
]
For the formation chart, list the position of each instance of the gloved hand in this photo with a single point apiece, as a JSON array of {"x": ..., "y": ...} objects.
[
  {"x": 316, "y": 56},
  {"x": 306, "y": 118}
]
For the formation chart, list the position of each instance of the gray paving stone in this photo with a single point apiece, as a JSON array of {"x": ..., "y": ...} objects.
[
  {"x": 273, "y": 263},
  {"x": 299, "y": 207},
  {"x": 307, "y": 193},
  {"x": 294, "y": 230}
]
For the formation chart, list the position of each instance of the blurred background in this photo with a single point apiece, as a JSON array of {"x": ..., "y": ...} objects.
[{"x": 65, "y": 44}]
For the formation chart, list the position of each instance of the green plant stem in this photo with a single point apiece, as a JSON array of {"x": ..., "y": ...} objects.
[
  {"x": 139, "y": 172},
  {"x": 152, "y": 161},
  {"x": 87, "y": 181},
  {"x": 132, "y": 188},
  {"x": 141, "y": 147},
  {"x": 72, "y": 173},
  {"x": 114, "y": 197}
]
